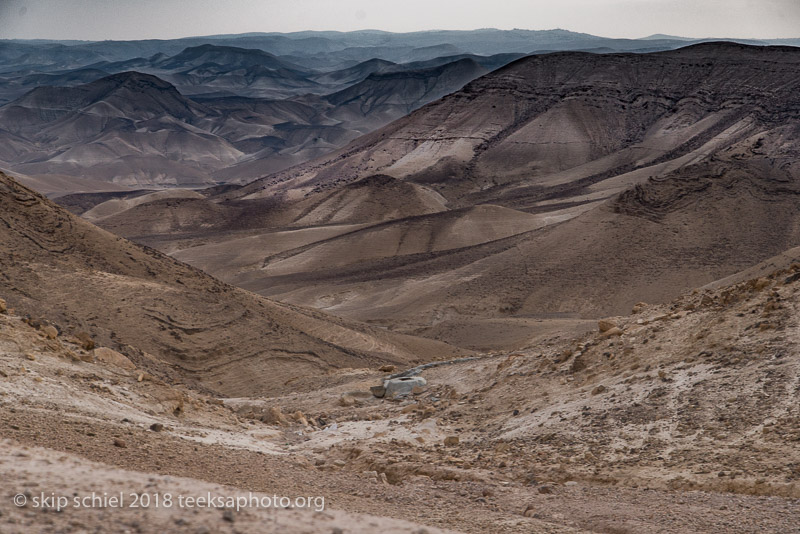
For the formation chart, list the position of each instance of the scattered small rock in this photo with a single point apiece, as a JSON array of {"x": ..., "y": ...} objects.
[
  {"x": 792, "y": 278},
  {"x": 387, "y": 368},
  {"x": 50, "y": 331},
  {"x": 761, "y": 283},
  {"x": 227, "y": 515},
  {"x": 611, "y": 332},
  {"x": 274, "y": 416},
  {"x": 604, "y": 325},
  {"x": 156, "y": 427},
  {"x": 30, "y": 321},
  {"x": 599, "y": 389},
  {"x": 347, "y": 400},
  {"x": 3, "y": 306},
  {"x": 530, "y": 510},
  {"x": 112, "y": 357},
  {"x": 300, "y": 417},
  {"x": 410, "y": 408},
  {"x": 120, "y": 443},
  {"x": 451, "y": 441},
  {"x": 85, "y": 340}
]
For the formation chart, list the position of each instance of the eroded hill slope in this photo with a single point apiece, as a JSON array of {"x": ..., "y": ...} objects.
[{"x": 58, "y": 267}]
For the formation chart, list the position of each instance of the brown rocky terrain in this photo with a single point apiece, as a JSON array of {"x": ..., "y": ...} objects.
[
  {"x": 610, "y": 241},
  {"x": 680, "y": 418}
]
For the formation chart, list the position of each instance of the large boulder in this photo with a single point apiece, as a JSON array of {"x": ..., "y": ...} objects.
[{"x": 397, "y": 387}]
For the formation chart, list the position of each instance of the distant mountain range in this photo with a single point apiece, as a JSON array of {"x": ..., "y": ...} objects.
[
  {"x": 232, "y": 108},
  {"x": 137, "y": 129},
  {"x": 357, "y": 45}
]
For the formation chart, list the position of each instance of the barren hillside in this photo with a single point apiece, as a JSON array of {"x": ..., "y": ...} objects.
[
  {"x": 167, "y": 316},
  {"x": 637, "y": 177}
]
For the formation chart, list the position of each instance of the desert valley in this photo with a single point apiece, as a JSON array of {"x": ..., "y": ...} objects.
[{"x": 444, "y": 281}]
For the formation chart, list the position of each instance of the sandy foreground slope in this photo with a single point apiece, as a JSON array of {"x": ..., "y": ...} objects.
[
  {"x": 31, "y": 471},
  {"x": 680, "y": 418}
]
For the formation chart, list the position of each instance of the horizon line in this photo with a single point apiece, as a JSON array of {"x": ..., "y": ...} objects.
[{"x": 660, "y": 36}]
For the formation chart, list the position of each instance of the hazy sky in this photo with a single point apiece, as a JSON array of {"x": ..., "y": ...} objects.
[{"x": 141, "y": 19}]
